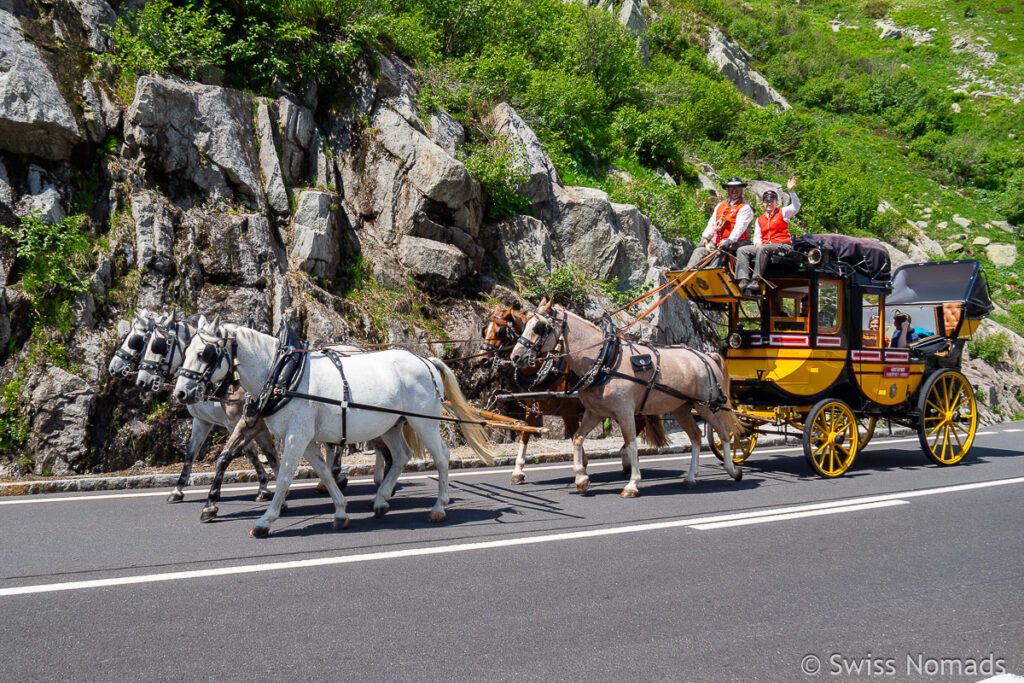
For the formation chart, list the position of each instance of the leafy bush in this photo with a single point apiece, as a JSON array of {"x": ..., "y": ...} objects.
[
  {"x": 769, "y": 135},
  {"x": 653, "y": 136},
  {"x": 876, "y": 9},
  {"x": 677, "y": 211},
  {"x": 991, "y": 348},
  {"x": 161, "y": 38},
  {"x": 499, "y": 167},
  {"x": 841, "y": 199},
  {"x": 1013, "y": 198},
  {"x": 13, "y": 426},
  {"x": 566, "y": 285}
]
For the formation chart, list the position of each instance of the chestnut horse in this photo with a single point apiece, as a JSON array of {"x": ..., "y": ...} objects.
[
  {"x": 680, "y": 381},
  {"x": 501, "y": 333}
]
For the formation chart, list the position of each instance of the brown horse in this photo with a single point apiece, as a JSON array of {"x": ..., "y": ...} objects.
[
  {"x": 680, "y": 382},
  {"x": 501, "y": 333}
]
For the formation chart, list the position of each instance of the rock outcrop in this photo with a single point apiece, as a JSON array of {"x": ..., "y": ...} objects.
[{"x": 734, "y": 62}]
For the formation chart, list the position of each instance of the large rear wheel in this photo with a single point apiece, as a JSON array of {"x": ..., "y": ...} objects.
[
  {"x": 949, "y": 417},
  {"x": 742, "y": 446},
  {"x": 866, "y": 431},
  {"x": 830, "y": 438}
]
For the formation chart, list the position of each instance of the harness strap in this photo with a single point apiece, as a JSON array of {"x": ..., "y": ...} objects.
[
  {"x": 654, "y": 377},
  {"x": 345, "y": 394}
]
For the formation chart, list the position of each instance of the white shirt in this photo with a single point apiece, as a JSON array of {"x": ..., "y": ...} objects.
[
  {"x": 788, "y": 212},
  {"x": 744, "y": 217}
]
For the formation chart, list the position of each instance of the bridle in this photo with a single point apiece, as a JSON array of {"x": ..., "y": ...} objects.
[
  {"x": 136, "y": 344},
  {"x": 216, "y": 350},
  {"x": 171, "y": 340},
  {"x": 543, "y": 328},
  {"x": 504, "y": 339}
]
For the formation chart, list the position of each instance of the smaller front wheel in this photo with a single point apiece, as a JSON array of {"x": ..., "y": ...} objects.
[
  {"x": 830, "y": 438},
  {"x": 742, "y": 446},
  {"x": 949, "y": 417}
]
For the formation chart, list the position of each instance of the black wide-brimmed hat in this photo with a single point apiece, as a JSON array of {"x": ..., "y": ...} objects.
[{"x": 734, "y": 182}]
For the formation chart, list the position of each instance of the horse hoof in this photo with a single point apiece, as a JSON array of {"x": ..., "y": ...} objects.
[
  {"x": 435, "y": 516},
  {"x": 263, "y": 496},
  {"x": 689, "y": 484},
  {"x": 379, "y": 512},
  {"x": 518, "y": 479},
  {"x": 583, "y": 486},
  {"x": 320, "y": 488},
  {"x": 629, "y": 493},
  {"x": 259, "y": 532},
  {"x": 176, "y": 497},
  {"x": 208, "y": 514},
  {"x": 739, "y": 474},
  {"x": 340, "y": 523}
]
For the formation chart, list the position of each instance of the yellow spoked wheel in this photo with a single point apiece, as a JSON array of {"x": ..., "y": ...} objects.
[
  {"x": 949, "y": 417},
  {"x": 866, "y": 431},
  {"x": 830, "y": 438},
  {"x": 742, "y": 446}
]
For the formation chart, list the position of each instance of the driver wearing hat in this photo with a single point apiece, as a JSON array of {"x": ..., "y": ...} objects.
[{"x": 727, "y": 226}]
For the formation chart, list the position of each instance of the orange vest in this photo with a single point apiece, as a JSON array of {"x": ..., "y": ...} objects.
[
  {"x": 725, "y": 214},
  {"x": 774, "y": 228}
]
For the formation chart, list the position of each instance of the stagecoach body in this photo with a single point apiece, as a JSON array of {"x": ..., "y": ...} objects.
[{"x": 805, "y": 355}]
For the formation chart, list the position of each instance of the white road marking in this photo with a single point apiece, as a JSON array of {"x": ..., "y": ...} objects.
[
  {"x": 454, "y": 474},
  {"x": 700, "y": 523},
  {"x": 799, "y": 515}
]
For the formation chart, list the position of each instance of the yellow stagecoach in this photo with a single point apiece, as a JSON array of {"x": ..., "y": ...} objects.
[{"x": 814, "y": 351}]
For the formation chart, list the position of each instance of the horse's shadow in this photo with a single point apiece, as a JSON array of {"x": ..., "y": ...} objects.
[{"x": 666, "y": 481}]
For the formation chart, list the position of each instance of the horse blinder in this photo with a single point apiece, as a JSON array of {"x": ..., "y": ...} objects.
[
  {"x": 136, "y": 342},
  {"x": 159, "y": 346}
]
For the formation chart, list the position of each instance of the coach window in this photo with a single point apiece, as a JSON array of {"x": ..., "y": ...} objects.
[
  {"x": 830, "y": 306},
  {"x": 871, "y": 322},
  {"x": 788, "y": 305},
  {"x": 748, "y": 314}
]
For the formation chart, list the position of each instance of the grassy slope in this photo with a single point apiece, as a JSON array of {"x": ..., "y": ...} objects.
[{"x": 908, "y": 181}]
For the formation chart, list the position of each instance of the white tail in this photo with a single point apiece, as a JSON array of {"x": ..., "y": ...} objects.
[{"x": 474, "y": 434}]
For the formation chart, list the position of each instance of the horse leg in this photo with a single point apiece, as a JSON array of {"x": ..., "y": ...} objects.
[
  {"x": 382, "y": 464},
  {"x": 627, "y": 424},
  {"x": 200, "y": 430},
  {"x": 684, "y": 416},
  {"x": 340, "y": 478},
  {"x": 534, "y": 420},
  {"x": 429, "y": 432},
  {"x": 264, "y": 491},
  {"x": 323, "y": 471},
  {"x": 241, "y": 435},
  {"x": 395, "y": 443},
  {"x": 265, "y": 441},
  {"x": 294, "y": 447},
  {"x": 579, "y": 465},
  {"x": 718, "y": 422},
  {"x": 572, "y": 423}
]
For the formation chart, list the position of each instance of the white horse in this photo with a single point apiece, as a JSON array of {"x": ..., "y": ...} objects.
[
  {"x": 393, "y": 380},
  {"x": 127, "y": 356},
  {"x": 161, "y": 356}
]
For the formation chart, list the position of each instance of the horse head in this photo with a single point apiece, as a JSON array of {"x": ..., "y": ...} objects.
[
  {"x": 126, "y": 358},
  {"x": 501, "y": 331},
  {"x": 539, "y": 336},
  {"x": 163, "y": 353},
  {"x": 207, "y": 360}
]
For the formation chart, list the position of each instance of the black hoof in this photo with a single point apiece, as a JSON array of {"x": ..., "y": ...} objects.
[
  {"x": 208, "y": 514},
  {"x": 689, "y": 484},
  {"x": 175, "y": 497},
  {"x": 264, "y": 496},
  {"x": 380, "y": 512},
  {"x": 259, "y": 532},
  {"x": 739, "y": 474}
]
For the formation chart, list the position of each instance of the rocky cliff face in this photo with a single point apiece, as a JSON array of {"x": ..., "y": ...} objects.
[
  {"x": 211, "y": 200},
  {"x": 350, "y": 216}
]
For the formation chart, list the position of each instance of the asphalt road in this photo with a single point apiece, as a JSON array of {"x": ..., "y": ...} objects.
[{"x": 898, "y": 570}]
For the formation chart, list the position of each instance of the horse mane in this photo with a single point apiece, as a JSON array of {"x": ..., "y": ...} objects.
[{"x": 579, "y": 318}]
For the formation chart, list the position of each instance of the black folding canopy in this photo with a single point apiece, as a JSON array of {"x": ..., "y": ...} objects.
[{"x": 939, "y": 282}]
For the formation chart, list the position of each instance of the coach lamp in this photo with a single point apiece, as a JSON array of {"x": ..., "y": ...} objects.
[{"x": 736, "y": 340}]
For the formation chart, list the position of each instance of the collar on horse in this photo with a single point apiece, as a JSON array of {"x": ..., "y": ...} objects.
[
  {"x": 283, "y": 378},
  {"x": 607, "y": 358}
]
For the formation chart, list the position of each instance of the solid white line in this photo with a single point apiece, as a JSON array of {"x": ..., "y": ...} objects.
[
  {"x": 701, "y": 523},
  {"x": 799, "y": 515},
  {"x": 454, "y": 474}
]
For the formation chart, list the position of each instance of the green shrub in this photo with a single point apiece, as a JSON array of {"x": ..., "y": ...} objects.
[
  {"x": 570, "y": 107},
  {"x": 52, "y": 257},
  {"x": 677, "y": 211},
  {"x": 499, "y": 167},
  {"x": 653, "y": 136},
  {"x": 666, "y": 36},
  {"x": 769, "y": 135},
  {"x": 840, "y": 199},
  {"x": 566, "y": 285},
  {"x": 876, "y": 9},
  {"x": 991, "y": 348},
  {"x": 13, "y": 425},
  {"x": 161, "y": 38},
  {"x": 1013, "y": 198}
]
